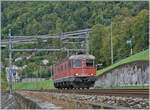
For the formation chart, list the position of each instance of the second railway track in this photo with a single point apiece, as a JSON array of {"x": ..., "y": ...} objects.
[{"x": 111, "y": 92}]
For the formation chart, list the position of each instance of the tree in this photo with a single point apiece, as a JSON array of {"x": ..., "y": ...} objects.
[
  {"x": 95, "y": 42},
  {"x": 140, "y": 30}
]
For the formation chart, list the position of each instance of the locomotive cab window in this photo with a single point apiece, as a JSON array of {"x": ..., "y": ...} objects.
[
  {"x": 89, "y": 63},
  {"x": 77, "y": 63}
]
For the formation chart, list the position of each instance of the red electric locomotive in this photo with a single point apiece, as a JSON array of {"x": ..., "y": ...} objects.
[{"x": 77, "y": 71}]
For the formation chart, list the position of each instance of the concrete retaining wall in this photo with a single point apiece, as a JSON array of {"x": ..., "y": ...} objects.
[
  {"x": 16, "y": 101},
  {"x": 135, "y": 73},
  {"x": 26, "y": 102}
]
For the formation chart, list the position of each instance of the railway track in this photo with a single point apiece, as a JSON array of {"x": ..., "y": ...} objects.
[{"x": 144, "y": 93}]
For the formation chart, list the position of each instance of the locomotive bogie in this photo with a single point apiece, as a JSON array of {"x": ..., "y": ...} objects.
[{"x": 75, "y": 82}]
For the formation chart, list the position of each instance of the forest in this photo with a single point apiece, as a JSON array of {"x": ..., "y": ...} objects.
[{"x": 130, "y": 20}]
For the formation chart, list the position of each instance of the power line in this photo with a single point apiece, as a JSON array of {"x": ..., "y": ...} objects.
[{"x": 40, "y": 50}]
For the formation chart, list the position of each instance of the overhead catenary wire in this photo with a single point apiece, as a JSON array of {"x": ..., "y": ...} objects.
[{"x": 80, "y": 34}]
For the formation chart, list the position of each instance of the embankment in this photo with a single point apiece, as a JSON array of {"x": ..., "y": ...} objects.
[{"x": 133, "y": 73}]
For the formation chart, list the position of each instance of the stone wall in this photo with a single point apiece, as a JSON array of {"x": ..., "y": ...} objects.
[{"x": 135, "y": 73}]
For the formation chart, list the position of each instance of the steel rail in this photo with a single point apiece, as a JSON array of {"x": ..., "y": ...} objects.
[{"x": 144, "y": 93}]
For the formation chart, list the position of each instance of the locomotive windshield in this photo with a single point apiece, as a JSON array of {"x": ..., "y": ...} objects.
[
  {"x": 90, "y": 63},
  {"x": 77, "y": 63}
]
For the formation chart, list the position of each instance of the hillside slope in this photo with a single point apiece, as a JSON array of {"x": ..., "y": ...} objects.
[{"x": 144, "y": 55}]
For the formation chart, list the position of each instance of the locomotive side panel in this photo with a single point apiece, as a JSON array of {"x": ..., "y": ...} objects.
[{"x": 63, "y": 70}]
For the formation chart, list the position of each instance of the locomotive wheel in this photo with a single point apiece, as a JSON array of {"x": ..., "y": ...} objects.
[
  {"x": 71, "y": 87},
  {"x": 67, "y": 85},
  {"x": 60, "y": 85}
]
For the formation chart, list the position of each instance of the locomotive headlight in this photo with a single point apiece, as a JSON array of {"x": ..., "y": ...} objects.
[
  {"x": 76, "y": 74},
  {"x": 92, "y": 74}
]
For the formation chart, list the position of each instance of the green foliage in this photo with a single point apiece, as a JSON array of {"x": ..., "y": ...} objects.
[
  {"x": 140, "y": 30},
  {"x": 4, "y": 83},
  {"x": 97, "y": 40},
  {"x": 28, "y": 18},
  {"x": 124, "y": 27},
  {"x": 36, "y": 70}
]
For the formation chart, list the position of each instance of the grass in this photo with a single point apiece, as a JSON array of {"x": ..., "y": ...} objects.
[
  {"x": 130, "y": 87},
  {"x": 127, "y": 87},
  {"x": 144, "y": 55},
  {"x": 46, "y": 84},
  {"x": 4, "y": 83}
]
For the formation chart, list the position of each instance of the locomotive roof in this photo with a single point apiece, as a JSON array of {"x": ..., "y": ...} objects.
[{"x": 82, "y": 56}]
